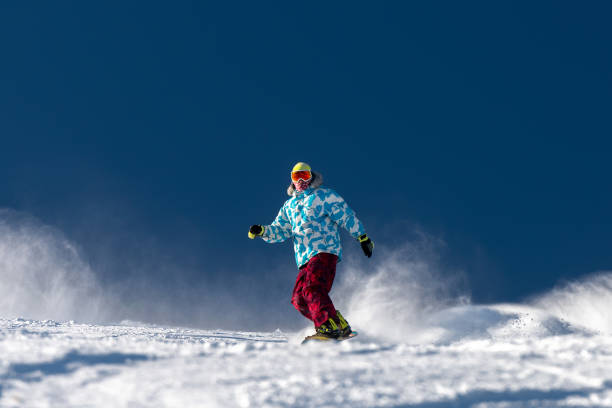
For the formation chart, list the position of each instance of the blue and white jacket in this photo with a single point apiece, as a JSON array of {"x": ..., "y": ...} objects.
[{"x": 312, "y": 218}]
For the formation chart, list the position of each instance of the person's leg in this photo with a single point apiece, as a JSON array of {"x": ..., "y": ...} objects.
[
  {"x": 320, "y": 273},
  {"x": 297, "y": 300}
]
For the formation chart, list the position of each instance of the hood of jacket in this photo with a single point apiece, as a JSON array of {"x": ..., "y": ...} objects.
[{"x": 317, "y": 180}]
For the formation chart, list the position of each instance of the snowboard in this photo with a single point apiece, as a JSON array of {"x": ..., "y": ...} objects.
[{"x": 318, "y": 337}]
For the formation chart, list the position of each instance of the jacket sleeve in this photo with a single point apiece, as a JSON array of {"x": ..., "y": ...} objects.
[
  {"x": 279, "y": 230},
  {"x": 343, "y": 215}
]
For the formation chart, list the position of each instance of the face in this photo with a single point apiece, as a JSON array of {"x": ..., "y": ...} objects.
[{"x": 301, "y": 185}]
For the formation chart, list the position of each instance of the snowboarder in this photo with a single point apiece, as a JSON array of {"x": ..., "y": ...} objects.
[{"x": 312, "y": 216}]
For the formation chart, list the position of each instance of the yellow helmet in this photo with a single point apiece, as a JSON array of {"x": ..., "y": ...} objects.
[{"x": 301, "y": 166}]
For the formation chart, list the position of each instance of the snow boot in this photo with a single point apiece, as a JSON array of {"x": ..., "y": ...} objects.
[
  {"x": 328, "y": 329},
  {"x": 344, "y": 327}
]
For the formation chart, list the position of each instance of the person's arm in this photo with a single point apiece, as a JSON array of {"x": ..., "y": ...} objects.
[
  {"x": 343, "y": 215},
  {"x": 279, "y": 230}
]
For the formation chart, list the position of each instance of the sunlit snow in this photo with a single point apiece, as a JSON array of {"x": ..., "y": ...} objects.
[
  {"x": 422, "y": 343},
  {"x": 510, "y": 356}
]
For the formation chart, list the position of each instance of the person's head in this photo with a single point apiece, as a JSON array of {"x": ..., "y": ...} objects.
[{"x": 301, "y": 176}]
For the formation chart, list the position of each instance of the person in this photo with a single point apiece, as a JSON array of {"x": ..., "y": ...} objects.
[{"x": 312, "y": 216}]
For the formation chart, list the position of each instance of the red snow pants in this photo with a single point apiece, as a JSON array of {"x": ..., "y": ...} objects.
[{"x": 312, "y": 286}]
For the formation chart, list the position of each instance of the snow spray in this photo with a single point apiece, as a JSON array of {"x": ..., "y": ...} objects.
[
  {"x": 42, "y": 275},
  {"x": 584, "y": 303},
  {"x": 393, "y": 296},
  {"x": 406, "y": 295}
]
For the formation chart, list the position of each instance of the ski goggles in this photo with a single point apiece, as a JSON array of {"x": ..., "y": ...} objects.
[{"x": 301, "y": 174}]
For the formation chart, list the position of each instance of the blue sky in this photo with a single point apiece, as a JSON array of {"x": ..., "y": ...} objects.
[{"x": 160, "y": 132}]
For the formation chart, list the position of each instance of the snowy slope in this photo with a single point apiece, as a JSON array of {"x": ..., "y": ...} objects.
[
  {"x": 421, "y": 343},
  {"x": 506, "y": 355}
]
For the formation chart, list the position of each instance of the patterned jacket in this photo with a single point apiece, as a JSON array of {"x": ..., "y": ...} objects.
[{"x": 312, "y": 218}]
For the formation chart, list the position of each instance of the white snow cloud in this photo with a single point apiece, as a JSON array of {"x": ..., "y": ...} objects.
[
  {"x": 42, "y": 275},
  {"x": 394, "y": 295},
  {"x": 586, "y": 302},
  {"x": 407, "y": 295}
]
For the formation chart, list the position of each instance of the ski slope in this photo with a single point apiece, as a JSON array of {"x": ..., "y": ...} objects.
[
  {"x": 504, "y": 356},
  {"x": 422, "y": 343}
]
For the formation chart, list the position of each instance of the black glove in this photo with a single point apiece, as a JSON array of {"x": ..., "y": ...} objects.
[
  {"x": 256, "y": 231},
  {"x": 366, "y": 244}
]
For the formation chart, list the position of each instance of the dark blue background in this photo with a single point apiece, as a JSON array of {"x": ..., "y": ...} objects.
[{"x": 153, "y": 134}]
